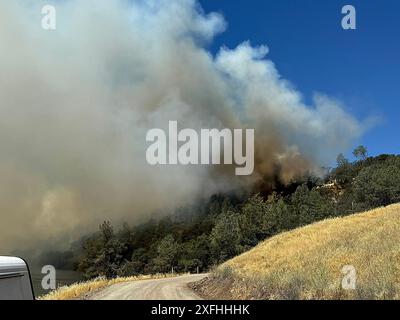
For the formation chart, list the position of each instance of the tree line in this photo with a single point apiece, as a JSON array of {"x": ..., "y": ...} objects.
[{"x": 199, "y": 236}]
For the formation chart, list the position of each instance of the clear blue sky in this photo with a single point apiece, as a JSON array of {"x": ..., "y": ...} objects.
[{"x": 309, "y": 47}]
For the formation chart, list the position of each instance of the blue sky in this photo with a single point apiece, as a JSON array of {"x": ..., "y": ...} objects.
[{"x": 310, "y": 49}]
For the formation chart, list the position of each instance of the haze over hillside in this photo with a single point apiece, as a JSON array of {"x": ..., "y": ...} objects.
[{"x": 77, "y": 103}]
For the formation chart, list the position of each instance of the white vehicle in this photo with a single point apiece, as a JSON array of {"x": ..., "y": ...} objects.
[{"x": 15, "y": 279}]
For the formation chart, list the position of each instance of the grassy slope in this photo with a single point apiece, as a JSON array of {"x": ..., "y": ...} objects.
[{"x": 306, "y": 263}]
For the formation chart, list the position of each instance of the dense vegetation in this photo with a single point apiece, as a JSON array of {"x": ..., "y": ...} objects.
[{"x": 197, "y": 237}]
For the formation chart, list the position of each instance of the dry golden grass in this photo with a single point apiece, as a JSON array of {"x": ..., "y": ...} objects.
[
  {"x": 79, "y": 290},
  {"x": 306, "y": 263}
]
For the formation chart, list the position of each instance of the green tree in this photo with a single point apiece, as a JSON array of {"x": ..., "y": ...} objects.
[
  {"x": 378, "y": 185},
  {"x": 104, "y": 254},
  {"x": 343, "y": 174},
  {"x": 360, "y": 153},
  {"x": 167, "y": 254},
  {"x": 136, "y": 265},
  {"x": 284, "y": 218},
  {"x": 341, "y": 160},
  {"x": 256, "y": 221},
  {"x": 310, "y": 206},
  {"x": 195, "y": 253},
  {"x": 226, "y": 237}
]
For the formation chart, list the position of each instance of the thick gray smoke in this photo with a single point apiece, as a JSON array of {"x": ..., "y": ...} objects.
[{"x": 76, "y": 103}]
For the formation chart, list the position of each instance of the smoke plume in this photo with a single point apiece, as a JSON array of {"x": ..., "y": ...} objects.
[{"x": 76, "y": 104}]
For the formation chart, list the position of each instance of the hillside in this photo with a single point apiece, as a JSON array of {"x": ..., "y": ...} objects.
[
  {"x": 211, "y": 231},
  {"x": 307, "y": 263}
]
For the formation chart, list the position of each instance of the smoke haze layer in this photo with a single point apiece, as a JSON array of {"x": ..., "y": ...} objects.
[{"x": 76, "y": 104}]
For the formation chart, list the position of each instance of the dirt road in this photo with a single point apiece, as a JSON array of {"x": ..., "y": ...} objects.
[{"x": 160, "y": 289}]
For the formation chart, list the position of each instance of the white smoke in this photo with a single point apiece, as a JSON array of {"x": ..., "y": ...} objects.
[{"x": 76, "y": 103}]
